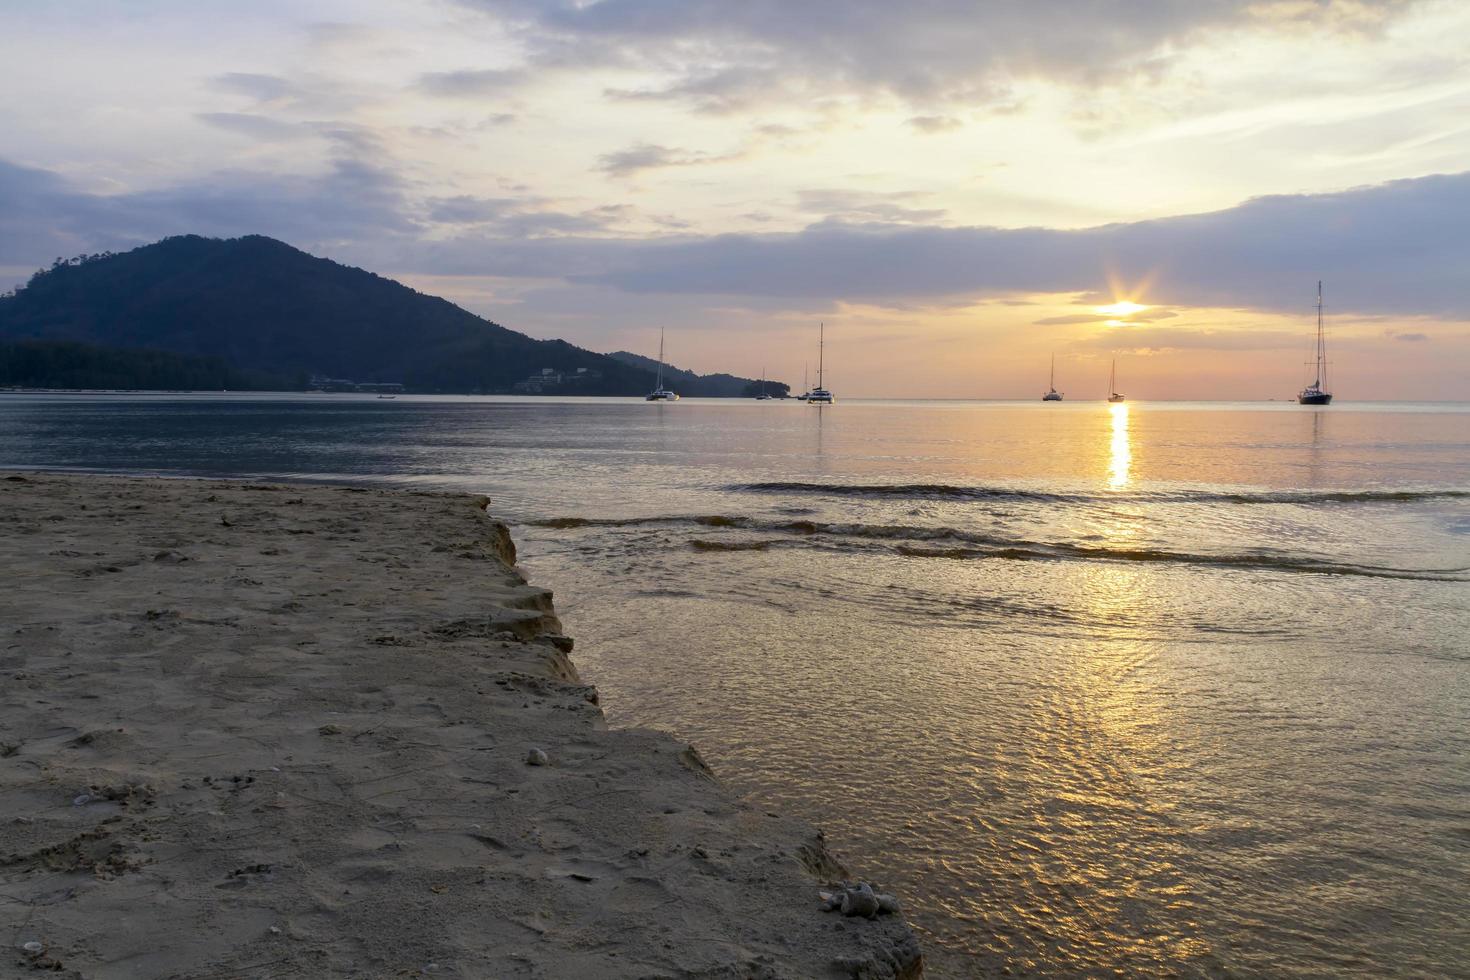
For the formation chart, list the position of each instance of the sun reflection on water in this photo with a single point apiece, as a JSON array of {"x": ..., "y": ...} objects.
[{"x": 1122, "y": 452}]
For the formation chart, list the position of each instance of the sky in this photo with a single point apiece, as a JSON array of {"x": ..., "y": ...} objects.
[{"x": 958, "y": 190}]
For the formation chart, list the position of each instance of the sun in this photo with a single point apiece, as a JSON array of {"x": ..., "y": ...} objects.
[{"x": 1122, "y": 308}]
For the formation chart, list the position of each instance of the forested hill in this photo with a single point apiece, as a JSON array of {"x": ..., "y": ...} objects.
[
  {"x": 693, "y": 385},
  {"x": 253, "y": 308}
]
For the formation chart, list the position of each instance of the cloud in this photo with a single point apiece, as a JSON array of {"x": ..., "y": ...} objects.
[
  {"x": 1412, "y": 338},
  {"x": 256, "y": 127},
  {"x": 720, "y": 56},
  {"x": 262, "y": 88},
  {"x": 650, "y": 156},
  {"x": 43, "y": 215},
  {"x": 1142, "y": 316},
  {"x": 1153, "y": 339},
  {"x": 1398, "y": 249},
  {"x": 934, "y": 124},
  {"x": 1394, "y": 248},
  {"x": 523, "y": 217},
  {"x": 848, "y": 205},
  {"x": 1055, "y": 321},
  {"x": 469, "y": 84}
]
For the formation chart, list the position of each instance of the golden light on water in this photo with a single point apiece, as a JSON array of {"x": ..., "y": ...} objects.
[{"x": 1121, "y": 455}]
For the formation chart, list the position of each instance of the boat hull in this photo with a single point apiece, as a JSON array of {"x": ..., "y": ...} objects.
[
  {"x": 1315, "y": 398},
  {"x": 1051, "y": 396},
  {"x": 1115, "y": 399}
]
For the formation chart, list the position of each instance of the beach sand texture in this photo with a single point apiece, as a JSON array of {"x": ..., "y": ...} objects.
[{"x": 255, "y": 731}]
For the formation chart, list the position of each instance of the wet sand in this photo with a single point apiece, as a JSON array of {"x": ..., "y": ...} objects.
[{"x": 284, "y": 732}]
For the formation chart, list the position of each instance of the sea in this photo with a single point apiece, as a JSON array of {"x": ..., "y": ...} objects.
[{"x": 1146, "y": 690}]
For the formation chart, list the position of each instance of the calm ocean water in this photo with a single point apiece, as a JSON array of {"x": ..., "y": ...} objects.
[{"x": 1152, "y": 689}]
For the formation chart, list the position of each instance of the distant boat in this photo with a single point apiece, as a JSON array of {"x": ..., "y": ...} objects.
[
  {"x": 764, "y": 395},
  {"x": 1113, "y": 395},
  {"x": 387, "y": 397},
  {"x": 1052, "y": 395},
  {"x": 820, "y": 395},
  {"x": 659, "y": 392},
  {"x": 1316, "y": 393}
]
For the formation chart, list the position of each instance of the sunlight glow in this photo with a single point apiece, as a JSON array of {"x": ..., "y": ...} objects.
[{"x": 1124, "y": 307}]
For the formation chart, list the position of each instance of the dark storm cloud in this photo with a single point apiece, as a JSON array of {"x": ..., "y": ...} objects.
[{"x": 726, "y": 56}]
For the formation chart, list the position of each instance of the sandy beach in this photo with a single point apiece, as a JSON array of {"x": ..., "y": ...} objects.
[{"x": 266, "y": 731}]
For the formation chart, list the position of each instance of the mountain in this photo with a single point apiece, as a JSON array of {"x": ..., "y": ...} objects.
[
  {"x": 64, "y": 364},
  {"x": 704, "y": 385},
  {"x": 254, "y": 311}
]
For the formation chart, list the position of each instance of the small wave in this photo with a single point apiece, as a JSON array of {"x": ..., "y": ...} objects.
[
  {"x": 713, "y": 520},
  {"x": 701, "y": 545},
  {"x": 948, "y": 542},
  {"x": 1282, "y": 563},
  {"x": 943, "y": 491}
]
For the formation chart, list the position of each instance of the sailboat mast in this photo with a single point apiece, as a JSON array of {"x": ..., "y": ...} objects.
[
  {"x": 660, "y": 385},
  {"x": 821, "y": 349},
  {"x": 1321, "y": 342},
  {"x": 1113, "y": 379},
  {"x": 1053, "y": 382}
]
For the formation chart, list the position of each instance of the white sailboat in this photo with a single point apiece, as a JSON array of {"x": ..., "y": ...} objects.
[
  {"x": 820, "y": 395},
  {"x": 1113, "y": 395},
  {"x": 659, "y": 392},
  {"x": 1316, "y": 393},
  {"x": 764, "y": 395},
  {"x": 1052, "y": 395}
]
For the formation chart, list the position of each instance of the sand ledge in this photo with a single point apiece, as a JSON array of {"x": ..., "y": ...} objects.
[{"x": 282, "y": 731}]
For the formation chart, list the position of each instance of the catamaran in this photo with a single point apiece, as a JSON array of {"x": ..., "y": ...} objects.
[
  {"x": 660, "y": 393},
  {"x": 820, "y": 395},
  {"x": 1316, "y": 393},
  {"x": 1113, "y": 395},
  {"x": 1052, "y": 395}
]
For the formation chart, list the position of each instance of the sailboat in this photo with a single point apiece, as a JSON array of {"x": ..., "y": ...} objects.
[
  {"x": 764, "y": 395},
  {"x": 820, "y": 395},
  {"x": 1316, "y": 393},
  {"x": 1052, "y": 395},
  {"x": 1113, "y": 395},
  {"x": 660, "y": 393}
]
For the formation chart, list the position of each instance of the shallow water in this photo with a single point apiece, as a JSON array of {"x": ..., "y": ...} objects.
[{"x": 1152, "y": 689}]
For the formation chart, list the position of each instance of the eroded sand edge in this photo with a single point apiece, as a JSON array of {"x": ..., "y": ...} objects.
[{"x": 282, "y": 732}]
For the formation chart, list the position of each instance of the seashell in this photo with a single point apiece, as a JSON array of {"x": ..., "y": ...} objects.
[
  {"x": 82, "y": 800},
  {"x": 537, "y": 757},
  {"x": 33, "y": 948}
]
